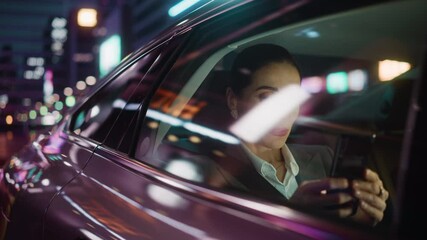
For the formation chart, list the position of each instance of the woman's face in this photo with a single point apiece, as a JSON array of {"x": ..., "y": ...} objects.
[{"x": 265, "y": 82}]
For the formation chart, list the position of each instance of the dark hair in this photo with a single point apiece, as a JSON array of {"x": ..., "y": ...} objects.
[{"x": 252, "y": 59}]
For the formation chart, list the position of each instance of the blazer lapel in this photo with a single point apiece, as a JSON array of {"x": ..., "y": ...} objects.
[
  {"x": 247, "y": 175},
  {"x": 310, "y": 161}
]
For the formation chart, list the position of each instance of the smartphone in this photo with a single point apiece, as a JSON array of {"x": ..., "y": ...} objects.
[{"x": 350, "y": 172}]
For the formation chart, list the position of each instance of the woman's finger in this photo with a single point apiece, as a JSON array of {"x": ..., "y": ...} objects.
[
  {"x": 372, "y": 211},
  {"x": 371, "y": 176},
  {"x": 372, "y": 187},
  {"x": 373, "y": 200}
]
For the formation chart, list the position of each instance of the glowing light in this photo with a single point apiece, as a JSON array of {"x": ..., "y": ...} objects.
[
  {"x": 308, "y": 32},
  {"x": 22, "y": 117},
  {"x": 9, "y": 119},
  {"x": 90, "y": 80},
  {"x": 313, "y": 34},
  {"x": 184, "y": 169},
  {"x": 165, "y": 197},
  {"x": 87, "y": 17},
  {"x": 195, "y": 139},
  {"x": 4, "y": 99},
  {"x": 80, "y": 85},
  {"x": 153, "y": 124},
  {"x": 59, "y": 22},
  {"x": 389, "y": 69},
  {"x": 55, "y": 96},
  {"x": 35, "y": 61},
  {"x": 28, "y": 74},
  {"x": 337, "y": 82},
  {"x": 181, "y": 7},
  {"x": 94, "y": 111},
  {"x": 38, "y": 105},
  {"x": 192, "y": 127},
  {"x": 70, "y": 101},
  {"x": 45, "y": 182},
  {"x": 57, "y": 115},
  {"x": 89, "y": 234},
  {"x": 43, "y": 110},
  {"x": 357, "y": 80},
  {"x": 269, "y": 112},
  {"x": 68, "y": 91},
  {"x": 164, "y": 117},
  {"x": 48, "y": 120},
  {"x": 211, "y": 133},
  {"x": 33, "y": 114},
  {"x": 313, "y": 84},
  {"x": 48, "y": 85},
  {"x": 59, "y": 105},
  {"x": 59, "y": 33},
  {"x": 119, "y": 103},
  {"x": 172, "y": 138},
  {"x": 110, "y": 54}
]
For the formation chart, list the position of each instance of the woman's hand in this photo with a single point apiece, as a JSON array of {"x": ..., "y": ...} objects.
[
  {"x": 372, "y": 198},
  {"x": 332, "y": 196},
  {"x": 326, "y": 195}
]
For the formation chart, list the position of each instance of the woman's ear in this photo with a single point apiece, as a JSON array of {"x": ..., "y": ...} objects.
[{"x": 232, "y": 102}]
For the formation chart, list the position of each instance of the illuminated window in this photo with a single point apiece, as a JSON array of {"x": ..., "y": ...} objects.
[
  {"x": 389, "y": 69},
  {"x": 357, "y": 80},
  {"x": 337, "y": 82},
  {"x": 87, "y": 17},
  {"x": 313, "y": 84},
  {"x": 109, "y": 54}
]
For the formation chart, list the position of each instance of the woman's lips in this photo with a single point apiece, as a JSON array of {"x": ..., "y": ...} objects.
[{"x": 279, "y": 132}]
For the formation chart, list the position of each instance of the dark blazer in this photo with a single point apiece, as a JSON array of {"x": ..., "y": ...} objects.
[{"x": 314, "y": 162}]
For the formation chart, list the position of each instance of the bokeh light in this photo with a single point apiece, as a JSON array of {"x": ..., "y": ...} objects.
[
  {"x": 68, "y": 91},
  {"x": 70, "y": 101}
]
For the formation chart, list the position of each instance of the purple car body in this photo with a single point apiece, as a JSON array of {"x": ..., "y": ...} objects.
[{"x": 81, "y": 182}]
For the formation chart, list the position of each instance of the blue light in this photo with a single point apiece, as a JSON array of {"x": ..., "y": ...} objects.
[{"x": 181, "y": 6}]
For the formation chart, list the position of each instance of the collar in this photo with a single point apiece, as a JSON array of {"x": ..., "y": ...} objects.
[{"x": 258, "y": 163}]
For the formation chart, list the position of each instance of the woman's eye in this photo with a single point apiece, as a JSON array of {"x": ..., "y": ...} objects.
[{"x": 263, "y": 96}]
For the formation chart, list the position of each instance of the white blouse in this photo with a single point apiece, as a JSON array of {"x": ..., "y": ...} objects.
[{"x": 289, "y": 184}]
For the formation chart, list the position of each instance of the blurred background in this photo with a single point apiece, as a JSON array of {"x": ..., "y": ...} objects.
[{"x": 54, "y": 51}]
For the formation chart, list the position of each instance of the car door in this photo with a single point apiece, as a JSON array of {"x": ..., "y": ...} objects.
[{"x": 109, "y": 118}]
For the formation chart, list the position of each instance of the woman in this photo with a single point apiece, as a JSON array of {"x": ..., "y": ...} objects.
[{"x": 298, "y": 172}]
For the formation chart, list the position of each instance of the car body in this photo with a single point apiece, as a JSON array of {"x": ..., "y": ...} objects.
[{"x": 138, "y": 157}]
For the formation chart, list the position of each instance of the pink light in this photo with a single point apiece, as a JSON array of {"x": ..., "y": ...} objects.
[{"x": 313, "y": 84}]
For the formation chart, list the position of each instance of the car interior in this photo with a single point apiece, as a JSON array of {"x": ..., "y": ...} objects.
[{"x": 364, "y": 126}]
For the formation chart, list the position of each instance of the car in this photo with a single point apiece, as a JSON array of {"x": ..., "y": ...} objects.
[{"x": 146, "y": 154}]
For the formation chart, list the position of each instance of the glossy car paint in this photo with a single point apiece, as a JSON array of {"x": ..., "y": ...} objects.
[
  {"x": 65, "y": 186},
  {"x": 54, "y": 161}
]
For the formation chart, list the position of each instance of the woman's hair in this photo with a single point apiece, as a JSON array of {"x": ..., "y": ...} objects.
[{"x": 252, "y": 59}]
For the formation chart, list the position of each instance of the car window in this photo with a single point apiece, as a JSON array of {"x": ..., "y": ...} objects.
[
  {"x": 358, "y": 71},
  {"x": 96, "y": 117},
  {"x": 121, "y": 134}
]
